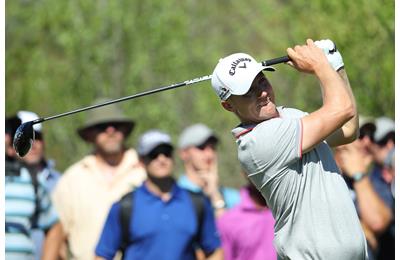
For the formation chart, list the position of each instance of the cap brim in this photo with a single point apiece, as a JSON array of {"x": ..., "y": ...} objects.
[
  {"x": 86, "y": 133},
  {"x": 153, "y": 147},
  {"x": 250, "y": 78}
]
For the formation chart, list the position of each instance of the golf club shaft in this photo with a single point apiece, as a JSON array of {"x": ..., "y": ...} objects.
[{"x": 149, "y": 92}]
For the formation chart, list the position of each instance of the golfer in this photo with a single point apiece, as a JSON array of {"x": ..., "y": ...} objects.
[{"x": 286, "y": 153}]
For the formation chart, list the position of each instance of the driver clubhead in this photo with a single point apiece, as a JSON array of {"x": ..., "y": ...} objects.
[{"x": 23, "y": 138}]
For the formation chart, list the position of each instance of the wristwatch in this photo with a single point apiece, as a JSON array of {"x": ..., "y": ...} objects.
[
  {"x": 219, "y": 204},
  {"x": 358, "y": 176}
]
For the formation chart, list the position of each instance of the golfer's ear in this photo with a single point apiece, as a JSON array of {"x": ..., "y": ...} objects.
[{"x": 227, "y": 106}]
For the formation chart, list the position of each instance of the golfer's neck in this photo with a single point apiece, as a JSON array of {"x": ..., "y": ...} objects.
[{"x": 246, "y": 121}]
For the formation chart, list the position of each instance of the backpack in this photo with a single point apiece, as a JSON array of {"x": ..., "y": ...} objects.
[{"x": 198, "y": 200}]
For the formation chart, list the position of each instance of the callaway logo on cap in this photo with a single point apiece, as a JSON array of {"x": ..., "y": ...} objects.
[
  {"x": 234, "y": 74},
  {"x": 236, "y": 63}
]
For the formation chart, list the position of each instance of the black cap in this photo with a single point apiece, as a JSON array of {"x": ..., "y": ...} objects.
[{"x": 11, "y": 124}]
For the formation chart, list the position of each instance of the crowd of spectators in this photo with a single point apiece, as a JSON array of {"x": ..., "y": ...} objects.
[{"x": 123, "y": 202}]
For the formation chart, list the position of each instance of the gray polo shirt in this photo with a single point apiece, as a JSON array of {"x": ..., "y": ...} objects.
[{"x": 315, "y": 216}]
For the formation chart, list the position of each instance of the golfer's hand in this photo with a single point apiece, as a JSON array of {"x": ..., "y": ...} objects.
[{"x": 307, "y": 58}]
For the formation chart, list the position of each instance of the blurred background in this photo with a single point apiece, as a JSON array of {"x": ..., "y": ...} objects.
[{"x": 62, "y": 55}]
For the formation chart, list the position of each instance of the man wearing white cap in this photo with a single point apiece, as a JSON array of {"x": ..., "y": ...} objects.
[
  {"x": 161, "y": 221},
  {"x": 197, "y": 149},
  {"x": 35, "y": 159},
  {"x": 384, "y": 138},
  {"x": 37, "y": 164},
  {"x": 286, "y": 153},
  {"x": 32, "y": 228},
  {"x": 383, "y": 178},
  {"x": 355, "y": 160}
]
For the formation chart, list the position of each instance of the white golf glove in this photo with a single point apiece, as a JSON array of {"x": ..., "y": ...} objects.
[{"x": 333, "y": 55}]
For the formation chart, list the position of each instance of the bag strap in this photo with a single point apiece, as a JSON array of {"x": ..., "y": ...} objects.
[
  {"x": 198, "y": 203},
  {"x": 35, "y": 216},
  {"x": 35, "y": 182},
  {"x": 125, "y": 218}
]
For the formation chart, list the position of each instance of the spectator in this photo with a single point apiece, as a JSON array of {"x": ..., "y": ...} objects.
[
  {"x": 367, "y": 129},
  {"x": 197, "y": 149},
  {"x": 11, "y": 125},
  {"x": 354, "y": 160},
  {"x": 391, "y": 169},
  {"x": 37, "y": 164},
  {"x": 161, "y": 221},
  {"x": 247, "y": 230},
  {"x": 382, "y": 178},
  {"x": 88, "y": 188},
  {"x": 35, "y": 160},
  {"x": 27, "y": 206}
]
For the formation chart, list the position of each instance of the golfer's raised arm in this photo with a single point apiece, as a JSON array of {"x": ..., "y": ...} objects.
[
  {"x": 338, "y": 106},
  {"x": 349, "y": 131}
]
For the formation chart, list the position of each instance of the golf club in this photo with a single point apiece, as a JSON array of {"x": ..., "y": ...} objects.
[{"x": 24, "y": 136}]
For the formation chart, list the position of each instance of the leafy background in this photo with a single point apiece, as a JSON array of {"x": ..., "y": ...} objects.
[{"x": 63, "y": 55}]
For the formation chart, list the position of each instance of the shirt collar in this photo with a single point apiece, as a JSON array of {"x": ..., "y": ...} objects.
[
  {"x": 242, "y": 129},
  {"x": 130, "y": 160},
  {"x": 187, "y": 184},
  {"x": 176, "y": 192}
]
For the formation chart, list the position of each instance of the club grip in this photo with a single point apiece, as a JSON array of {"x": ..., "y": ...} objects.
[{"x": 275, "y": 61}]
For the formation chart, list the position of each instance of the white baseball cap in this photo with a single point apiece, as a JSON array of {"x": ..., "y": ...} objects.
[
  {"x": 384, "y": 126},
  {"x": 150, "y": 140},
  {"x": 26, "y": 116},
  {"x": 195, "y": 135},
  {"x": 234, "y": 74}
]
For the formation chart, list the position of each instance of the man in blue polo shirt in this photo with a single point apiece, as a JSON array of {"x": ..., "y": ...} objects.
[{"x": 163, "y": 221}]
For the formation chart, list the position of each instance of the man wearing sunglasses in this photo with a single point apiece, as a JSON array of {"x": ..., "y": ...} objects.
[
  {"x": 162, "y": 220},
  {"x": 88, "y": 188},
  {"x": 355, "y": 160},
  {"x": 197, "y": 149},
  {"x": 383, "y": 178}
]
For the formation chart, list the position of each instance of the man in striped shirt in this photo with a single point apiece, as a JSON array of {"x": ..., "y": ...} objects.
[{"x": 27, "y": 206}]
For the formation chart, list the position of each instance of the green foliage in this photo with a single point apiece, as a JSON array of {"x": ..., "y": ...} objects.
[{"x": 62, "y": 55}]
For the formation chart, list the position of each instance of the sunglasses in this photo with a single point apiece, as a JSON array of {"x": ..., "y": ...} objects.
[
  {"x": 165, "y": 150},
  {"x": 38, "y": 136},
  {"x": 117, "y": 126},
  {"x": 366, "y": 132},
  {"x": 212, "y": 143}
]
